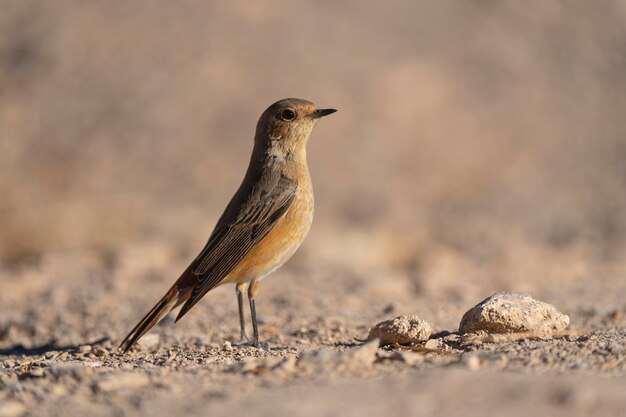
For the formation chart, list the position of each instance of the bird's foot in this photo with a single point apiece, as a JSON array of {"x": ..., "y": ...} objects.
[
  {"x": 243, "y": 341},
  {"x": 260, "y": 345}
]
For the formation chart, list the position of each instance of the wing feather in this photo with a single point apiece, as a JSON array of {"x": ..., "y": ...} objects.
[{"x": 238, "y": 232}]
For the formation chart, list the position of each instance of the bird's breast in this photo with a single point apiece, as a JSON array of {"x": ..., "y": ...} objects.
[{"x": 282, "y": 240}]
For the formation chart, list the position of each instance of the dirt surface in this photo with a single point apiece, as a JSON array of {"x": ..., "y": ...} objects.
[
  {"x": 478, "y": 147},
  {"x": 61, "y": 325}
]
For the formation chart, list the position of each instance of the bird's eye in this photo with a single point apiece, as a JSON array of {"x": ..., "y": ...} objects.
[{"x": 288, "y": 115}]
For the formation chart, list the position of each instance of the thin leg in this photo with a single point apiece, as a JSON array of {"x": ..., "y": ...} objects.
[
  {"x": 239, "y": 289},
  {"x": 253, "y": 289}
]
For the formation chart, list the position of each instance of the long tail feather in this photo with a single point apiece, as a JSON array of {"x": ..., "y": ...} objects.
[{"x": 160, "y": 310}]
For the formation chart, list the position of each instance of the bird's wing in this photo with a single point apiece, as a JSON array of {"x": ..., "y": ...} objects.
[{"x": 237, "y": 232}]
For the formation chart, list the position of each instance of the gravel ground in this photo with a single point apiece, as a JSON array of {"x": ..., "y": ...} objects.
[{"x": 64, "y": 316}]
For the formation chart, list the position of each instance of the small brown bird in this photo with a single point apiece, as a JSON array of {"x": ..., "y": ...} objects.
[{"x": 265, "y": 222}]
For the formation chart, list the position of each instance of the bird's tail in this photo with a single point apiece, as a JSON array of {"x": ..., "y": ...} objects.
[{"x": 169, "y": 301}]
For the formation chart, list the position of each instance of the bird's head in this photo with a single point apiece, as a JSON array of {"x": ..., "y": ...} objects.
[{"x": 287, "y": 124}]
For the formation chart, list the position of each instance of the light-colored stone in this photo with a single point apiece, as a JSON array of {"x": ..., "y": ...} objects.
[
  {"x": 84, "y": 349},
  {"x": 507, "y": 312},
  {"x": 149, "y": 341},
  {"x": 401, "y": 330},
  {"x": 432, "y": 344}
]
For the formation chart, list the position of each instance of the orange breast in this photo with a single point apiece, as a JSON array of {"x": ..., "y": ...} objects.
[{"x": 280, "y": 243}]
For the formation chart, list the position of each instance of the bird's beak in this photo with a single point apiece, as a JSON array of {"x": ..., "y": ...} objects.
[{"x": 322, "y": 112}]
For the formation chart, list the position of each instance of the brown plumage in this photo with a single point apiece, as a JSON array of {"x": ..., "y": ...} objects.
[{"x": 262, "y": 226}]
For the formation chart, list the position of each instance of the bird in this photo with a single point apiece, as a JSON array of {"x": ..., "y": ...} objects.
[{"x": 262, "y": 226}]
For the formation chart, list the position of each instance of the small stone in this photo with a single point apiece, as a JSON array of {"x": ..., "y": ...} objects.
[
  {"x": 99, "y": 351},
  {"x": 227, "y": 346},
  {"x": 432, "y": 344},
  {"x": 149, "y": 341},
  {"x": 401, "y": 330},
  {"x": 8, "y": 363},
  {"x": 51, "y": 354},
  {"x": 12, "y": 409},
  {"x": 507, "y": 312},
  {"x": 123, "y": 381},
  {"x": 452, "y": 338},
  {"x": 471, "y": 361},
  {"x": 84, "y": 349}
]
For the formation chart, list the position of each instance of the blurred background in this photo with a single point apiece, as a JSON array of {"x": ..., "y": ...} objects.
[{"x": 479, "y": 145}]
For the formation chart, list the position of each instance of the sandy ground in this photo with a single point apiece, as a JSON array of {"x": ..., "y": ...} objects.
[{"x": 63, "y": 318}]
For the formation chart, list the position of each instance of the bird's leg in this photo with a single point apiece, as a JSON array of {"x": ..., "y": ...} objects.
[
  {"x": 253, "y": 289},
  {"x": 239, "y": 289}
]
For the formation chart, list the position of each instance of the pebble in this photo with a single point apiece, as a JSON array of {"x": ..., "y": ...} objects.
[
  {"x": 227, "y": 346},
  {"x": 84, "y": 349},
  {"x": 51, "y": 354},
  {"x": 432, "y": 344},
  {"x": 401, "y": 330},
  {"x": 508, "y": 312},
  {"x": 99, "y": 351}
]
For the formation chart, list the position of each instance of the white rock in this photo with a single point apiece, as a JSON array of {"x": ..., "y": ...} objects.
[
  {"x": 507, "y": 312},
  {"x": 401, "y": 330}
]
